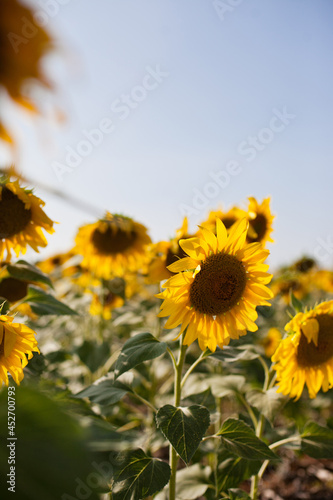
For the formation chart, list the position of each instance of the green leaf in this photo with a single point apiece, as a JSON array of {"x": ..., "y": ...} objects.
[
  {"x": 48, "y": 439},
  {"x": 93, "y": 355},
  {"x": 43, "y": 303},
  {"x": 240, "y": 439},
  {"x": 267, "y": 402},
  {"x": 107, "y": 392},
  {"x": 139, "y": 476},
  {"x": 317, "y": 441},
  {"x": 231, "y": 472},
  {"x": 183, "y": 427},
  {"x": 24, "y": 271},
  {"x": 232, "y": 354},
  {"x": 136, "y": 350}
]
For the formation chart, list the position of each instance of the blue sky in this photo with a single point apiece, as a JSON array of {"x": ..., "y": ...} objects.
[{"x": 182, "y": 91}]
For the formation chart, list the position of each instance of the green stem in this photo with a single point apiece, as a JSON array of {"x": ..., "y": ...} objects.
[
  {"x": 177, "y": 390},
  {"x": 290, "y": 439},
  {"x": 260, "y": 428},
  {"x": 144, "y": 401},
  {"x": 191, "y": 368},
  {"x": 249, "y": 410}
]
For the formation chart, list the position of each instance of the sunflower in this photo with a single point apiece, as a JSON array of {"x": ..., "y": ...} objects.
[
  {"x": 50, "y": 265},
  {"x": 228, "y": 218},
  {"x": 105, "y": 305},
  {"x": 323, "y": 280},
  {"x": 13, "y": 290},
  {"x": 260, "y": 221},
  {"x": 217, "y": 288},
  {"x": 21, "y": 219},
  {"x": 16, "y": 341},
  {"x": 165, "y": 253},
  {"x": 22, "y": 46},
  {"x": 112, "y": 246},
  {"x": 298, "y": 284},
  {"x": 306, "y": 355},
  {"x": 271, "y": 341}
]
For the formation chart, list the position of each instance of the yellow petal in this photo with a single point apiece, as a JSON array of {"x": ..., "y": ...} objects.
[{"x": 311, "y": 330}]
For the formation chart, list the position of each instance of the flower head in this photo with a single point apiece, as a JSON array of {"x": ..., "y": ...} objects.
[
  {"x": 217, "y": 288},
  {"x": 260, "y": 221},
  {"x": 112, "y": 246},
  {"x": 21, "y": 219},
  {"x": 306, "y": 355}
]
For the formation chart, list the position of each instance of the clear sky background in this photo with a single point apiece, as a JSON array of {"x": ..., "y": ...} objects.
[{"x": 225, "y": 70}]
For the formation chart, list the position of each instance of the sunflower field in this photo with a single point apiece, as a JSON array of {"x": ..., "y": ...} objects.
[{"x": 136, "y": 369}]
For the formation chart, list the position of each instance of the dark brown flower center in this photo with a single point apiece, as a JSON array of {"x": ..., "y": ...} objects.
[
  {"x": 290, "y": 285},
  {"x": 308, "y": 354},
  {"x": 14, "y": 217},
  {"x": 111, "y": 242},
  {"x": 12, "y": 289},
  {"x": 305, "y": 265},
  {"x": 228, "y": 221},
  {"x": 258, "y": 226},
  {"x": 219, "y": 285}
]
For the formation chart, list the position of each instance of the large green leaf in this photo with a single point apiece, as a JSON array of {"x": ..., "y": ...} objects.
[
  {"x": 139, "y": 476},
  {"x": 107, "y": 392},
  {"x": 231, "y": 473},
  {"x": 43, "y": 303},
  {"x": 233, "y": 470},
  {"x": 52, "y": 460},
  {"x": 267, "y": 402},
  {"x": 24, "y": 271},
  {"x": 183, "y": 427},
  {"x": 317, "y": 441},
  {"x": 142, "y": 347},
  {"x": 93, "y": 354},
  {"x": 240, "y": 439}
]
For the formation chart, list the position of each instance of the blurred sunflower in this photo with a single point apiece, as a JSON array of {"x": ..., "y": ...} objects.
[
  {"x": 323, "y": 280},
  {"x": 103, "y": 306},
  {"x": 306, "y": 355},
  {"x": 48, "y": 266},
  {"x": 298, "y": 284},
  {"x": 22, "y": 46},
  {"x": 217, "y": 288},
  {"x": 21, "y": 219},
  {"x": 260, "y": 221},
  {"x": 14, "y": 290},
  {"x": 17, "y": 341},
  {"x": 228, "y": 218},
  {"x": 304, "y": 265},
  {"x": 165, "y": 253},
  {"x": 271, "y": 341},
  {"x": 112, "y": 246}
]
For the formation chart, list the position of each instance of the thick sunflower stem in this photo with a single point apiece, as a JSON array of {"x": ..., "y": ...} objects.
[{"x": 177, "y": 390}]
